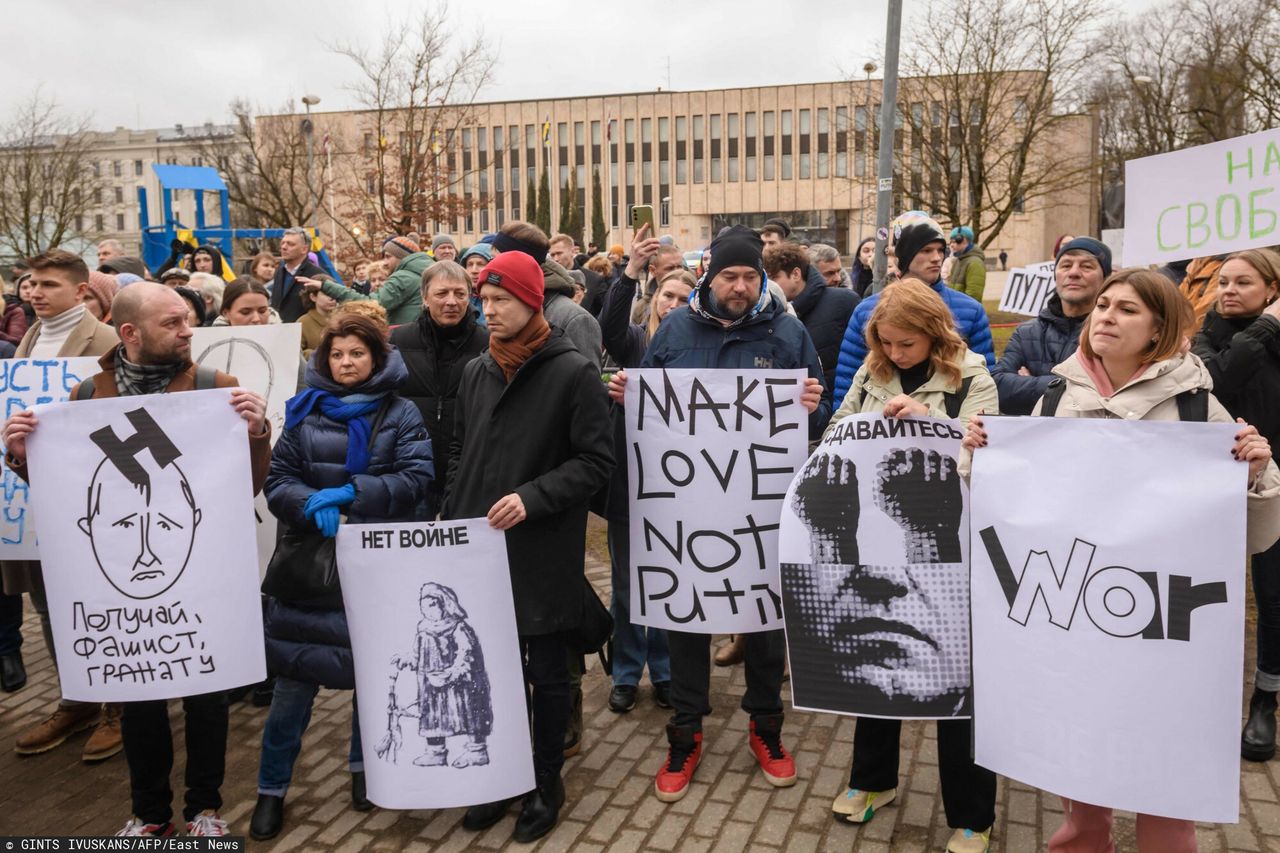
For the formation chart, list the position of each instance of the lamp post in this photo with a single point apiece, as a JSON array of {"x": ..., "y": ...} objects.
[
  {"x": 308, "y": 131},
  {"x": 868, "y": 69},
  {"x": 888, "y": 107}
]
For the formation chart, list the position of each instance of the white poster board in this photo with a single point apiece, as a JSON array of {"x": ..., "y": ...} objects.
[
  {"x": 875, "y": 583},
  {"x": 145, "y": 514},
  {"x": 27, "y": 382},
  {"x": 437, "y": 658},
  {"x": 709, "y": 456},
  {"x": 265, "y": 359},
  {"x": 1206, "y": 200},
  {"x": 1108, "y": 612},
  {"x": 1028, "y": 288}
]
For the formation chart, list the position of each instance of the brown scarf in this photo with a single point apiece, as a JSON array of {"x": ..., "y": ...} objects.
[{"x": 511, "y": 354}]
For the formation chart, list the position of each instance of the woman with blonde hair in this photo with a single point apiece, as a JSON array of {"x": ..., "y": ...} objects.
[{"x": 917, "y": 366}]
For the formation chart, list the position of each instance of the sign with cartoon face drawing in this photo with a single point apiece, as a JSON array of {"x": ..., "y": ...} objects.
[{"x": 147, "y": 545}]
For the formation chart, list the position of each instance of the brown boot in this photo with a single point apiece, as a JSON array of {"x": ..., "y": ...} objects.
[
  {"x": 105, "y": 740},
  {"x": 60, "y": 725},
  {"x": 730, "y": 654}
]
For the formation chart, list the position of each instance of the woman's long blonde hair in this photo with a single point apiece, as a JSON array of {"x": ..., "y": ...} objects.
[{"x": 911, "y": 304}]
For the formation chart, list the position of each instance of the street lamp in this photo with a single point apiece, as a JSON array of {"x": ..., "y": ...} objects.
[
  {"x": 869, "y": 68},
  {"x": 308, "y": 131}
]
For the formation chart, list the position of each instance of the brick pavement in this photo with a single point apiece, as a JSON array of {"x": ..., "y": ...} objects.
[{"x": 610, "y": 805}]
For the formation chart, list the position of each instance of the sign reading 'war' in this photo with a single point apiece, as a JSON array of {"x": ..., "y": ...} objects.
[{"x": 709, "y": 456}]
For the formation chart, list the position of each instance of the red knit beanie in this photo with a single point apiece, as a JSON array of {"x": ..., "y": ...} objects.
[{"x": 518, "y": 274}]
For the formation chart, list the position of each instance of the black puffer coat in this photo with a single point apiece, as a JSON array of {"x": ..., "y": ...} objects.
[
  {"x": 1039, "y": 345},
  {"x": 436, "y": 356},
  {"x": 309, "y": 644},
  {"x": 1243, "y": 357},
  {"x": 825, "y": 312},
  {"x": 545, "y": 436}
]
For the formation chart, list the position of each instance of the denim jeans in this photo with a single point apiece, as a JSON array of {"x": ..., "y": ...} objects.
[
  {"x": 282, "y": 736},
  {"x": 633, "y": 645},
  {"x": 10, "y": 624}
]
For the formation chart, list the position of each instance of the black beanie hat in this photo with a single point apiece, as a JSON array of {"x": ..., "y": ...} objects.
[
  {"x": 911, "y": 234},
  {"x": 1090, "y": 246},
  {"x": 735, "y": 246}
]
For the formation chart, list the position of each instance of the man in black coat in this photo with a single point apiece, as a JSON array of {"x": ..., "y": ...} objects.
[
  {"x": 532, "y": 444},
  {"x": 563, "y": 251},
  {"x": 1024, "y": 370},
  {"x": 436, "y": 349},
  {"x": 824, "y": 310},
  {"x": 286, "y": 292}
]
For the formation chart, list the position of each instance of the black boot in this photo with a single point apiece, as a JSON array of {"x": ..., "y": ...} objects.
[
  {"x": 359, "y": 799},
  {"x": 13, "y": 675},
  {"x": 268, "y": 817},
  {"x": 541, "y": 809},
  {"x": 486, "y": 815},
  {"x": 1258, "y": 742}
]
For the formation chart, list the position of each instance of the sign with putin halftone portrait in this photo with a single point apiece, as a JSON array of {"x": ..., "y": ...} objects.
[
  {"x": 873, "y": 549},
  {"x": 144, "y": 507}
]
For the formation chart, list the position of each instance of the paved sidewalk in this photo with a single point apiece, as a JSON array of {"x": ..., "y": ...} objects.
[{"x": 610, "y": 803}]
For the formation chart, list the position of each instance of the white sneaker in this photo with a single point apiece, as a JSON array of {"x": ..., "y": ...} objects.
[
  {"x": 854, "y": 806},
  {"x": 135, "y": 828},
  {"x": 207, "y": 823}
]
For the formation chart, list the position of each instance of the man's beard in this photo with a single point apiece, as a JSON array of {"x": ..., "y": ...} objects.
[{"x": 156, "y": 356}]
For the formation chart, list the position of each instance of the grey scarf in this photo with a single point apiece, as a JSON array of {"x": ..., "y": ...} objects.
[{"x": 136, "y": 379}]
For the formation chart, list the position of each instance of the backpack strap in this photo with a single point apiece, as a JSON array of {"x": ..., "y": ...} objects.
[
  {"x": 1193, "y": 406},
  {"x": 862, "y": 396},
  {"x": 953, "y": 400},
  {"x": 1052, "y": 396},
  {"x": 378, "y": 420},
  {"x": 84, "y": 391},
  {"x": 206, "y": 378}
]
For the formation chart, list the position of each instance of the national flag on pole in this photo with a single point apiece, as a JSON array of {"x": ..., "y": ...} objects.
[
  {"x": 324, "y": 144},
  {"x": 546, "y": 130},
  {"x": 608, "y": 128}
]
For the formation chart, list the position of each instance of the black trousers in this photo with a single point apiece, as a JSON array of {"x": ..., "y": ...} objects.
[
  {"x": 968, "y": 791},
  {"x": 546, "y": 675},
  {"x": 764, "y": 661},
  {"x": 1265, "y": 573},
  {"x": 148, "y": 746}
]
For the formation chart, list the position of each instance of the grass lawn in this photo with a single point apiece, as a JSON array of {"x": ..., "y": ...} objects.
[{"x": 997, "y": 318}]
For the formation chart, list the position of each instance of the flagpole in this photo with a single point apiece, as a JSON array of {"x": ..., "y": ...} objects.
[
  {"x": 608, "y": 179},
  {"x": 333, "y": 220}
]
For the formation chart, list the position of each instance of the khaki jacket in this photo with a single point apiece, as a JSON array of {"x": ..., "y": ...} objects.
[{"x": 982, "y": 396}]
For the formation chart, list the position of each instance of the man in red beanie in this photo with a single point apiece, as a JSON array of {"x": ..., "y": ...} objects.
[{"x": 532, "y": 443}]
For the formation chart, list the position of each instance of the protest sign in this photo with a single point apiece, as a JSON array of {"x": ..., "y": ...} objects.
[
  {"x": 1108, "y": 614},
  {"x": 1206, "y": 200},
  {"x": 875, "y": 585},
  {"x": 1027, "y": 289},
  {"x": 709, "y": 455},
  {"x": 145, "y": 514},
  {"x": 265, "y": 359},
  {"x": 437, "y": 658},
  {"x": 26, "y": 382}
]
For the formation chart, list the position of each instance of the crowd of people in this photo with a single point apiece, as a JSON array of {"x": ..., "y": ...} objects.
[{"x": 449, "y": 382}]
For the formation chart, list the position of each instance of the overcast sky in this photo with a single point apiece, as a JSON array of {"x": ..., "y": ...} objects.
[{"x": 145, "y": 63}]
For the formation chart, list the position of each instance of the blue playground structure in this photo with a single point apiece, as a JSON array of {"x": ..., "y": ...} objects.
[{"x": 156, "y": 239}]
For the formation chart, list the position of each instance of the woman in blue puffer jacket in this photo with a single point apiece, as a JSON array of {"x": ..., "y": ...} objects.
[{"x": 351, "y": 446}]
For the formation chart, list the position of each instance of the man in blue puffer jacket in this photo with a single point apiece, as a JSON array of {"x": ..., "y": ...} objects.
[
  {"x": 732, "y": 322},
  {"x": 824, "y": 310},
  {"x": 919, "y": 246}
]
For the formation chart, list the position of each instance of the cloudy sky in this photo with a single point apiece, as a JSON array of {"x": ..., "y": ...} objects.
[{"x": 146, "y": 63}]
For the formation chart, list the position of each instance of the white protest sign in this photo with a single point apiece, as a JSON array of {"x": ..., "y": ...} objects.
[
  {"x": 265, "y": 359},
  {"x": 145, "y": 514},
  {"x": 875, "y": 582},
  {"x": 1028, "y": 288},
  {"x": 709, "y": 456},
  {"x": 1108, "y": 613},
  {"x": 26, "y": 382},
  {"x": 437, "y": 659},
  {"x": 1206, "y": 200}
]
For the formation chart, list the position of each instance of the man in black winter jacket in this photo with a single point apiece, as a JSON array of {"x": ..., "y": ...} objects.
[
  {"x": 1037, "y": 346},
  {"x": 824, "y": 310},
  {"x": 286, "y": 290},
  {"x": 436, "y": 349},
  {"x": 532, "y": 444}
]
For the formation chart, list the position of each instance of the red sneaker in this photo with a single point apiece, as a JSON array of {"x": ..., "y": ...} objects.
[
  {"x": 765, "y": 740},
  {"x": 682, "y": 759}
]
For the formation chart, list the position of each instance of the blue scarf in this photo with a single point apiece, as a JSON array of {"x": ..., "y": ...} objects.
[{"x": 350, "y": 410}]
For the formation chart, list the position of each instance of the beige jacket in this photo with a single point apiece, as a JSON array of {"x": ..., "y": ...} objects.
[
  {"x": 1151, "y": 397},
  {"x": 982, "y": 396}
]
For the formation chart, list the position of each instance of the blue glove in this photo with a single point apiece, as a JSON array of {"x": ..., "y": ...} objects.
[
  {"x": 326, "y": 519},
  {"x": 339, "y": 496}
]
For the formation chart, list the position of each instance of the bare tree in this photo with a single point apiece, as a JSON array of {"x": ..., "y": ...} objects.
[
  {"x": 264, "y": 164},
  {"x": 406, "y": 172},
  {"x": 990, "y": 95},
  {"x": 47, "y": 181}
]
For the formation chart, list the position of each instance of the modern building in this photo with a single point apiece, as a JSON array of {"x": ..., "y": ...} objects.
[{"x": 702, "y": 159}]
